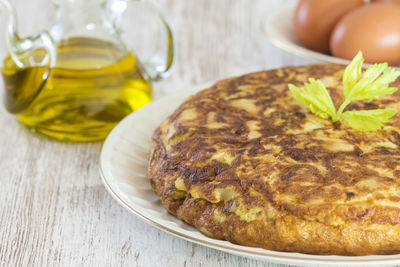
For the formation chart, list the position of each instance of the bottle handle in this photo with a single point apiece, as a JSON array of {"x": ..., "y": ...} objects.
[
  {"x": 24, "y": 53},
  {"x": 20, "y": 49},
  {"x": 157, "y": 71}
]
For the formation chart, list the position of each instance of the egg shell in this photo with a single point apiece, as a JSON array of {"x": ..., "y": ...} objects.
[
  {"x": 374, "y": 29},
  {"x": 386, "y": 1},
  {"x": 314, "y": 21}
]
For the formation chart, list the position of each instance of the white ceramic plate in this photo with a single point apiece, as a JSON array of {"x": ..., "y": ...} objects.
[
  {"x": 278, "y": 27},
  {"x": 279, "y": 30},
  {"x": 123, "y": 163}
]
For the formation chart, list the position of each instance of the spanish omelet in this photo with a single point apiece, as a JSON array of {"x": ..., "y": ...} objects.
[{"x": 245, "y": 162}]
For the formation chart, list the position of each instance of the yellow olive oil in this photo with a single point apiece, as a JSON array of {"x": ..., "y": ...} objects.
[{"x": 93, "y": 85}]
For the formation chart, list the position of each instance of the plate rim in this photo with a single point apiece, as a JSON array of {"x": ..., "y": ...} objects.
[{"x": 293, "y": 259}]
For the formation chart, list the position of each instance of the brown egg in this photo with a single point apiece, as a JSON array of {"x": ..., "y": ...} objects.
[
  {"x": 387, "y": 1},
  {"x": 314, "y": 21},
  {"x": 374, "y": 29}
]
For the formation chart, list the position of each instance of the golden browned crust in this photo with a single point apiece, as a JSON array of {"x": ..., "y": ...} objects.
[{"x": 243, "y": 161}]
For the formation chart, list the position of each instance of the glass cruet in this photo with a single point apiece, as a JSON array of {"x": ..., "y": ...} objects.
[{"x": 77, "y": 80}]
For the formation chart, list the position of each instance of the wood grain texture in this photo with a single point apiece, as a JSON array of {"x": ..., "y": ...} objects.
[{"x": 54, "y": 210}]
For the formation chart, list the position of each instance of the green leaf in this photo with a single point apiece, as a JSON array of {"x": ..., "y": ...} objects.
[
  {"x": 368, "y": 120},
  {"x": 315, "y": 96},
  {"x": 373, "y": 83},
  {"x": 352, "y": 73},
  {"x": 357, "y": 85}
]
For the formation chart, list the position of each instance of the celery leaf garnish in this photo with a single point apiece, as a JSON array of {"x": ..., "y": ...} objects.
[
  {"x": 357, "y": 85},
  {"x": 315, "y": 96},
  {"x": 368, "y": 120}
]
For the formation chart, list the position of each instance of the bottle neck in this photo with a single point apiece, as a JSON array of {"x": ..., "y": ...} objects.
[
  {"x": 80, "y": 14},
  {"x": 80, "y": 18},
  {"x": 85, "y": 18}
]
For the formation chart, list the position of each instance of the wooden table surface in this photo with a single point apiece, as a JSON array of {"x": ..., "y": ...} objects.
[{"x": 54, "y": 209}]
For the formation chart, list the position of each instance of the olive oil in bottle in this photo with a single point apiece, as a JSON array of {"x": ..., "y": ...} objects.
[{"x": 93, "y": 85}]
